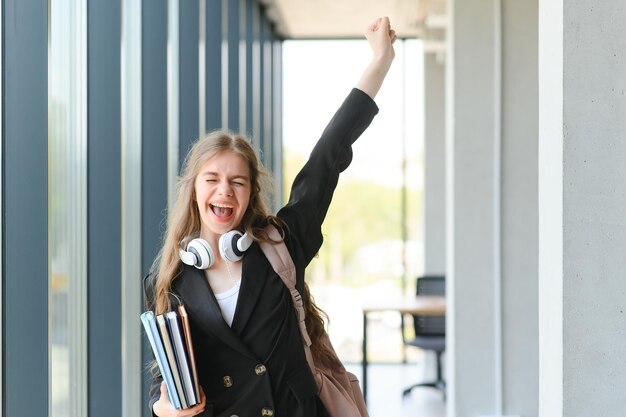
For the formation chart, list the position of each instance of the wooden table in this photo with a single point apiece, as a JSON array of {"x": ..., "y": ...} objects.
[{"x": 424, "y": 305}]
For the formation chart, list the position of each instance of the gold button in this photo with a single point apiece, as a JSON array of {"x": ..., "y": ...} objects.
[
  {"x": 228, "y": 381},
  {"x": 267, "y": 412},
  {"x": 260, "y": 370}
]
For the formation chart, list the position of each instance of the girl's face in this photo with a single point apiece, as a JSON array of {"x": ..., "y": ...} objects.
[{"x": 222, "y": 189}]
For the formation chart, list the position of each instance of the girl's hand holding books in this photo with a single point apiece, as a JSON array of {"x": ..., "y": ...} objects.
[{"x": 163, "y": 407}]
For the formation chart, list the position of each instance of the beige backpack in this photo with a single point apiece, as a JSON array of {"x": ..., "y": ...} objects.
[{"x": 338, "y": 389}]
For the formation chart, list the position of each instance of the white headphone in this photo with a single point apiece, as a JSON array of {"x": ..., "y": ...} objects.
[{"x": 200, "y": 254}]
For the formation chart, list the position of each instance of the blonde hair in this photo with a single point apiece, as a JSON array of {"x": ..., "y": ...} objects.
[{"x": 184, "y": 219}]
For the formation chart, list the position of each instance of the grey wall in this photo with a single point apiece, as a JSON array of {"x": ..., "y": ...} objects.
[
  {"x": 582, "y": 188},
  {"x": 493, "y": 209}
]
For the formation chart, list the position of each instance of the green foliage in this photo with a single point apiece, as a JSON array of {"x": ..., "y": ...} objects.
[{"x": 361, "y": 213}]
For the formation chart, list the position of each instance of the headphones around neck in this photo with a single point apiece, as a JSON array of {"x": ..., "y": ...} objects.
[{"x": 200, "y": 254}]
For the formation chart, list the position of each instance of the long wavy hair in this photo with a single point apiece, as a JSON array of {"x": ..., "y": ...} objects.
[{"x": 184, "y": 221}]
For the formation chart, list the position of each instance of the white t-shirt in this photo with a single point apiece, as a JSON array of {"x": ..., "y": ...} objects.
[{"x": 228, "y": 301}]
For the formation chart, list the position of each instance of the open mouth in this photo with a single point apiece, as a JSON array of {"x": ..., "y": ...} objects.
[{"x": 221, "y": 210}]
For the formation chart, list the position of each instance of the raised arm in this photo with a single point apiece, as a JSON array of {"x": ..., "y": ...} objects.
[
  {"x": 381, "y": 38},
  {"x": 313, "y": 187}
]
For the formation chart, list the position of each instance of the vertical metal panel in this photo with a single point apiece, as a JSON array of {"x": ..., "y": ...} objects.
[
  {"x": 261, "y": 134},
  {"x": 159, "y": 121},
  {"x": 214, "y": 68},
  {"x": 250, "y": 35},
  {"x": 67, "y": 207},
  {"x": 232, "y": 100},
  {"x": 154, "y": 130},
  {"x": 1, "y": 215},
  {"x": 188, "y": 70},
  {"x": 202, "y": 40},
  {"x": 104, "y": 246},
  {"x": 257, "y": 73},
  {"x": 154, "y": 126},
  {"x": 25, "y": 199},
  {"x": 261, "y": 80},
  {"x": 225, "y": 68},
  {"x": 277, "y": 109},
  {"x": 155, "y": 108},
  {"x": 242, "y": 65},
  {"x": 266, "y": 144},
  {"x": 131, "y": 65}
]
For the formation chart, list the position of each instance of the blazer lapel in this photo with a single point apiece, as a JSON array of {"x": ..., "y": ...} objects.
[
  {"x": 254, "y": 272},
  {"x": 198, "y": 298}
]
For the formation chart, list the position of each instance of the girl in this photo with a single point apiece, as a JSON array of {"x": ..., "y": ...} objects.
[{"x": 248, "y": 347}]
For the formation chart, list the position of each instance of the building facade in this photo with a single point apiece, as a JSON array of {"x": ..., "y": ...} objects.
[{"x": 103, "y": 99}]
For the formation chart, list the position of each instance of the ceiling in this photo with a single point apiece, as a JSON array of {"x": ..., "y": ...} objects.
[{"x": 306, "y": 19}]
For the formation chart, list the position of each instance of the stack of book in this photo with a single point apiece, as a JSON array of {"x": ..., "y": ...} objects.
[{"x": 170, "y": 338}]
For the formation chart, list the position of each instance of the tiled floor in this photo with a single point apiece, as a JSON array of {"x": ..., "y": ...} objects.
[{"x": 385, "y": 385}]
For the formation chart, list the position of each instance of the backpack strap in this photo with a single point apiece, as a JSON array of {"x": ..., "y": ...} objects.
[
  {"x": 339, "y": 392},
  {"x": 280, "y": 259}
]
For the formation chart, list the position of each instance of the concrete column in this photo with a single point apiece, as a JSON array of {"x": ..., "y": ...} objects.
[
  {"x": 470, "y": 209},
  {"x": 582, "y": 208},
  {"x": 434, "y": 165},
  {"x": 519, "y": 209},
  {"x": 491, "y": 205}
]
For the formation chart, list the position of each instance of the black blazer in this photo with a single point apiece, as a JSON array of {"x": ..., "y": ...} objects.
[{"x": 257, "y": 367}]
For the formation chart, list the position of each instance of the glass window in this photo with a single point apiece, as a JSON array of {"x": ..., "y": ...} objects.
[
  {"x": 373, "y": 231},
  {"x": 67, "y": 202},
  {"x": 131, "y": 69}
]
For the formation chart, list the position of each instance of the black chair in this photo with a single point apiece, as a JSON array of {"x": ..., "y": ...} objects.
[{"x": 430, "y": 331}]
